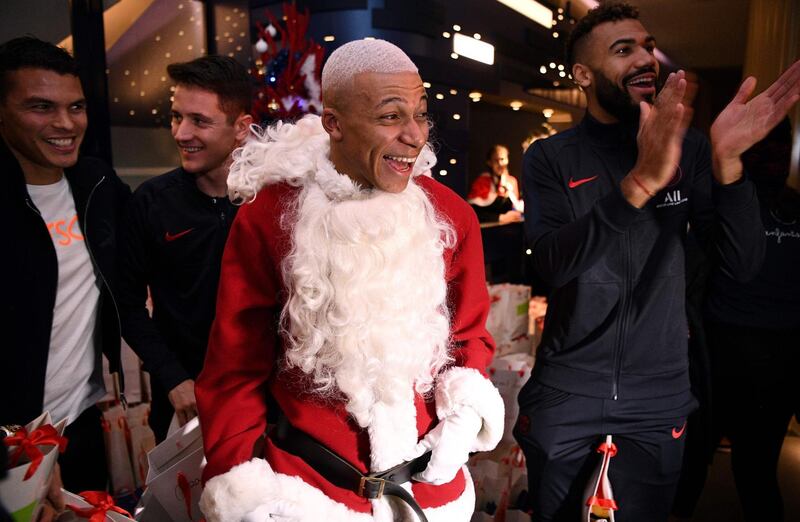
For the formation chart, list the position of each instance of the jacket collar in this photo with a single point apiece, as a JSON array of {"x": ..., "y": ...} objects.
[
  {"x": 13, "y": 172},
  {"x": 80, "y": 178},
  {"x": 608, "y": 134}
]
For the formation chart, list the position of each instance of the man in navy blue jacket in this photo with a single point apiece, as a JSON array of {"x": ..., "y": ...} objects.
[{"x": 607, "y": 206}]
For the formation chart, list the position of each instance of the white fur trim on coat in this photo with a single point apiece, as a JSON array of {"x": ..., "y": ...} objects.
[
  {"x": 230, "y": 497},
  {"x": 252, "y": 485},
  {"x": 460, "y": 387}
]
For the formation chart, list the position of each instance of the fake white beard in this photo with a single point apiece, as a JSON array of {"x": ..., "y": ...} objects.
[{"x": 367, "y": 315}]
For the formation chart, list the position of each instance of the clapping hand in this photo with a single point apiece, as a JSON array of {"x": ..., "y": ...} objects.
[
  {"x": 662, "y": 127},
  {"x": 743, "y": 123}
]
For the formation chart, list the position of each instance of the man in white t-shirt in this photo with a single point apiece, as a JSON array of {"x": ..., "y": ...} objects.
[{"x": 58, "y": 313}]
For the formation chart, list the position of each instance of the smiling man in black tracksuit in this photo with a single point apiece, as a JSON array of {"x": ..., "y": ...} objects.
[
  {"x": 607, "y": 214},
  {"x": 61, "y": 213},
  {"x": 175, "y": 232}
]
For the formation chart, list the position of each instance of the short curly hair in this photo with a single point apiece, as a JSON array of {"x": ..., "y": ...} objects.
[{"x": 605, "y": 12}]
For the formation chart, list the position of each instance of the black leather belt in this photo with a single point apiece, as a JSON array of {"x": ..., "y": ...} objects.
[{"x": 342, "y": 474}]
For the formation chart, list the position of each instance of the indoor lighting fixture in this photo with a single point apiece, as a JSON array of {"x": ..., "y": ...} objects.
[
  {"x": 453, "y": 92},
  {"x": 456, "y": 27},
  {"x": 454, "y": 56},
  {"x": 534, "y": 10},
  {"x": 452, "y": 161},
  {"x": 478, "y": 50},
  {"x": 456, "y": 116},
  {"x": 543, "y": 69},
  {"x": 427, "y": 85},
  {"x": 475, "y": 94},
  {"x": 328, "y": 38},
  {"x": 547, "y": 113},
  {"x": 443, "y": 172},
  {"x": 516, "y": 105},
  {"x": 477, "y": 36},
  {"x": 439, "y": 96},
  {"x": 446, "y": 34}
]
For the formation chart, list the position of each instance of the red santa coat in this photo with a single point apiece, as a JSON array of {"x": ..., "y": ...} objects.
[{"x": 242, "y": 364}]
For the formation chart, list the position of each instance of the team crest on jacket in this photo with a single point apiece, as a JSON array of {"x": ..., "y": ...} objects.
[{"x": 672, "y": 198}]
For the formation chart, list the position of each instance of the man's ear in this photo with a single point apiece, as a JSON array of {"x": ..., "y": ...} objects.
[
  {"x": 582, "y": 75},
  {"x": 242, "y": 126},
  {"x": 331, "y": 123}
]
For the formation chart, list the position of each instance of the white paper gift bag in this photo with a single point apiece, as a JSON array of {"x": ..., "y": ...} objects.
[
  {"x": 142, "y": 441},
  {"x": 96, "y": 506},
  {"x": 116, "y": 434},
  {"x": 509, "y": 373},
  {"x": 174, "y": 475},
  {"x": 33, "y": 452},
  {"x": 508, "y": 318}
]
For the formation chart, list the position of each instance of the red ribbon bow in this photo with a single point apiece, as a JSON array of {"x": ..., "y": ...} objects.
[
  {"x": 605, "y": 448},
  {"x": 28, "y": 444},
  {"x": 608, "y": 503},
  {"x": 101, "y": 503}
]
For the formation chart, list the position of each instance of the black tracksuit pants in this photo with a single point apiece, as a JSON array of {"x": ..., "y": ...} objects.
[
  {"x": 559, "y": 434},
  {"x": 755, "y": 396},
  {"x": 83, "y": 464}
]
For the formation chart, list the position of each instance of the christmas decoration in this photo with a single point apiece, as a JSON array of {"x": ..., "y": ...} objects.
[{"x": 288, "y": 68}]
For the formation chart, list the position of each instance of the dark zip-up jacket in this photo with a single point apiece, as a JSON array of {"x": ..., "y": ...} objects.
[
  {"x": 30, "y": 268},
  {"x": 172, "y": 242},
  {"x": 616, "y": 323}
]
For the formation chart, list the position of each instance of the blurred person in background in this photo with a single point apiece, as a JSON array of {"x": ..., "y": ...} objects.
[
  {"x": 495, "y": 193},
  {"x": 753, "y": 330}
]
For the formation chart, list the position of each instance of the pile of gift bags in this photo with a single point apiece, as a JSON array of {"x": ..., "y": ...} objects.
[{"x": 516, "y": 321}]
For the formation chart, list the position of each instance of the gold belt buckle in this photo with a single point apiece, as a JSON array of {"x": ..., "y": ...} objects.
[{"x": 363, "y": 482}]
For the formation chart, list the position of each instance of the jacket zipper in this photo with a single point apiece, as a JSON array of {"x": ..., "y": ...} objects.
[
  {"x": 222, "y": 217},
  {"x": 32, "y": 207},
  {"x": 102, "y": 277},
  {"x": 623, "y": 322}
]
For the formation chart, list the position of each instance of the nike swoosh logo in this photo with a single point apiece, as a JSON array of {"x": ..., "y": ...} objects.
[
  {"x": 577, "y": 183},
  {"x": 173, "y": 237},
  {"x": 676, "y": 434}
]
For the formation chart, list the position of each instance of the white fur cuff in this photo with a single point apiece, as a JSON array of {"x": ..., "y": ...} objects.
[
  {"x": 232, "y": 495},
  {"x": 459, "y": 387}
]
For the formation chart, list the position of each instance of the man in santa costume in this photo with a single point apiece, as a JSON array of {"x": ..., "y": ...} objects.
[{"x": 353, "y": 293}]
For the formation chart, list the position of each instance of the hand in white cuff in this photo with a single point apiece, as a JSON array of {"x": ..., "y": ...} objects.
[{"x": 450, "y": 443}]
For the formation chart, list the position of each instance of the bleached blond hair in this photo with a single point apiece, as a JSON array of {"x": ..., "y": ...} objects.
[{"x": 361, "y": 56}]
